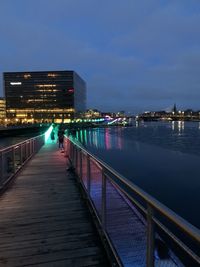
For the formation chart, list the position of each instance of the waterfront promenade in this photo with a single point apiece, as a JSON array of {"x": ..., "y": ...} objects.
[{"x": 44, "y": 221}]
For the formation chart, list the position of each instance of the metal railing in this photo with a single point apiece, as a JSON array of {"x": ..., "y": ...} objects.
[
  {"x": 12, "y": 158},
  {"x": 139, "y": 229}
]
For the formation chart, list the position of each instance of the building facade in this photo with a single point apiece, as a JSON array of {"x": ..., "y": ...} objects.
[
  {"x": 44, "y": 96},
  {"x": 2, "y": 110}
]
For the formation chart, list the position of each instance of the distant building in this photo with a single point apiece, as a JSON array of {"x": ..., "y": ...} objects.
[
  {"x": 120, "y": 113},
  {"x": 2, "y": 110},
  {"x": 92, "y": 113},
  {"x": 44, "y": 96},
  {"x": 174, "y": 109}
]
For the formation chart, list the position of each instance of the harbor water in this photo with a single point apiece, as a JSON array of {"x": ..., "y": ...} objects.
[{"x": 162, "y": 158}]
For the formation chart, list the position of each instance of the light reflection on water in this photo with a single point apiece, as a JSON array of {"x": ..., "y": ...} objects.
[
  {"x": 101, "y": 138},
  {"x": 161, "y": 157}
]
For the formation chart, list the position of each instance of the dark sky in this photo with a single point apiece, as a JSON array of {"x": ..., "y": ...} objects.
[{"x": 135, "y": 55}]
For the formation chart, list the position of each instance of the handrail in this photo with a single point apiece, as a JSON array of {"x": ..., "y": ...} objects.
[
  {"x": 156, "y": 221},
  {"x": 14, "y": 157},
  {"x": 168, "y": 213},
  {"x": 150, "y": 211},
  {"x": 20, "y": 143}
]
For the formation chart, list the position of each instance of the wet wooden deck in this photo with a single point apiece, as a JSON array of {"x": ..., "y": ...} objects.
[{"x": 44, "y": 221}]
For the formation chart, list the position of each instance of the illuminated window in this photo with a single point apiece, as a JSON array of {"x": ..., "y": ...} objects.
[
  {"x": 53, "y": 75},
  {"x": 45, "y": 85},
  {"x": 47, "y": 90},
  {"x": 26, "y": 76},
  {"x": 21, "y": 115},
  {"x": 15, "y": 83}
]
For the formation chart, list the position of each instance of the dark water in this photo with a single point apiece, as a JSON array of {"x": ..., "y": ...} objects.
[
  {"x": 162, "y": 158},
  {"x": 8, "y": 141}
]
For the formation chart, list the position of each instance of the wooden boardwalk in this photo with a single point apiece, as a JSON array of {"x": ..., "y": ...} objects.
[{"x": 44, "y": 221}]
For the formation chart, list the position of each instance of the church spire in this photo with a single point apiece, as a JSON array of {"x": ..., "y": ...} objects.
[{"x": 174, "y": 108}]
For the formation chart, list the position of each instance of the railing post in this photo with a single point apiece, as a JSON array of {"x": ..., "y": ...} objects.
[
  {"x": 1, "y": 168},
  {"x": 70, "y": 151},
  {"x": 13, "y": 156},
  {"x": 30, "y": 147},
  {"x": 66, "y": 147},
  {"x": 21, "y": 159},
  {"x": 73, "y": 155},
  {"x": 103, "y": 201},
  {"x": 76, "y": 159},
  {"x": 26, "y": 152},
  {"x": 33, "y": 140},
  {"x": 88, "y": 174},
  {"x": 81, "y": 174},
  {"x": 150, "y": 237},
  {"x": 34, "y": 145},
  {"x": 27, "y": 149}
]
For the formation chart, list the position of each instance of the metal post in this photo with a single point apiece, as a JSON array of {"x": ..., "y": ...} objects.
[
  {"x": 81, "y": 174},
  {"x": 103, "y": 201},
  {"x": 33, "y": 145},
  {"x": 73, "y": 155},
  {"x": 21, "y": 159},
  {"x": 66, "y": 147},
  {"x": 76, "y": 159},
  {"x": 26, "y": 153},
  {"x": 27, "y": 146},
  {"x": 30, "y": 147},
  {"x": 37, "y": 144},
  {"x": 70, "y": 151},
  {"x": 88, "y": 174},
  {"x": 13, "y": 156},
  {"x": 150, "y": 237},
  {"x": 1, "y": 167}
]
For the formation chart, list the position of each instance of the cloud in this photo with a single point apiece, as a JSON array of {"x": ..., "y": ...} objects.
[{"x": 133, "y": 54}]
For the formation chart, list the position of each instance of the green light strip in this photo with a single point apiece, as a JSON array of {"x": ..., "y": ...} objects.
[{"x": 48, "y": 132}]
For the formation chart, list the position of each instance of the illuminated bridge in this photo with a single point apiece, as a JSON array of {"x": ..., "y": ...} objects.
[{"x": 71, "y": 209}]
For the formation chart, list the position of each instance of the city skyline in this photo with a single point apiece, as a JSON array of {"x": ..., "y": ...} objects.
[{"x": 134, "y": 55}]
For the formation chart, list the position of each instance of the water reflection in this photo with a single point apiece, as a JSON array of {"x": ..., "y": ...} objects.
[
  {"x": 178, "y": 125},
  {"x": 149, "y": 154},
  {"x": 107, "y": 140},
  {"x": 102, "y": 138},
  {"x": 173, "y": 125},
  {"x": 174, "y": 135}
]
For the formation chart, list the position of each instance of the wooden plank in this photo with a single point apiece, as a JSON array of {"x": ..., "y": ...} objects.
[{"x": 44, "y": 221}]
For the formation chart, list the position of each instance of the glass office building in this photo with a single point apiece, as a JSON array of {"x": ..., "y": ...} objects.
[{"x": 44, "y": 96}]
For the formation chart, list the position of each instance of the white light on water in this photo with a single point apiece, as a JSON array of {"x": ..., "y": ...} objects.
[
  {"x": 173, "y": 125},
  {"x": 15, "y": 83}
]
